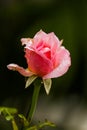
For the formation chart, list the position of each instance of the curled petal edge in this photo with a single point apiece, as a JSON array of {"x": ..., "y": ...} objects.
[
  {"x": 21, "y": 70},
  {"x": 26, "y": 41}
]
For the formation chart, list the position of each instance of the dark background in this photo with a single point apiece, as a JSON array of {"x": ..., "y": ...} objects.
[{"x": 23, "y": 18}]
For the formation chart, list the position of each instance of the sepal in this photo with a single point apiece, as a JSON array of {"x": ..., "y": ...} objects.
[
  {"x": 47, "y": 85},
  {"x": 30, "y": 80}
]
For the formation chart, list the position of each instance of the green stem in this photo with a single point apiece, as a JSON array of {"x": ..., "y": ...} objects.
[
  {"x": 37, "y": 85},
  {"x": 14, "y": 125}
]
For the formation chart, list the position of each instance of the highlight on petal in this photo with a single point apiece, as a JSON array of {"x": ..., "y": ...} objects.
[
  {"x": 62, "y": 68},
  {"x": 21, "y": 70}
]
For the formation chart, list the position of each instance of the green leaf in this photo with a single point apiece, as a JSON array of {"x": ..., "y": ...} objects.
[
  {"x": 9, "y": 117},
  {"x": 26, "y": 123},
  {"x": 32, "y": 128},
  {"x": 46, "y": 123},
  {"x": 8, "y": 112},
  {"x": 30, "y": 80},
  {"x": 8, "y": 109},
  {"x": 47, "y": 85},
  {"x": 40, "y": 126}
]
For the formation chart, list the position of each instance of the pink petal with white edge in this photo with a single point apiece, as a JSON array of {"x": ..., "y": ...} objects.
[
  {"x": 52, "y": 38},
  {"x": 48, "y": 39},
  {"x": 62, "y": 68},
  {"x": 41, "y": 35},
  {"x": 21, "y": 70},
  {"x": 26, "y": 41}
]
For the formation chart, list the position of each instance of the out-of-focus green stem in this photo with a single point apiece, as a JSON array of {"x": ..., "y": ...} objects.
[
  {"x": 14, "y": 125},
  {"x": 37, "y": 86}
]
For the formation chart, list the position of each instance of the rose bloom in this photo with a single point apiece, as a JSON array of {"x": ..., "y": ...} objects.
[{"x": 45, "y": 56}]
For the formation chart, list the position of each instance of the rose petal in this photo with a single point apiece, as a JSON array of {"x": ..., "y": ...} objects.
[
  {"x": 38, "y": 63},
  {"x": 21, "y": 70},
  {"x": 53, "y": 40},
  {"x": 39, "y": 36},
  {"x": 50, "y": 40},
  {"x": 26, "y": 41},
  {"x": 62, "y": 68}
]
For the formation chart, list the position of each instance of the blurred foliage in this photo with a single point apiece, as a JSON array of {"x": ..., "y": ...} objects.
[
  {"x": 23, "y": 18},
  {"x": 10, "y": 113}
]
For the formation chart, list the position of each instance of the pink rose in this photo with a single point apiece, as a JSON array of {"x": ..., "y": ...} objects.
[{"x": 45, "y": 55}]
